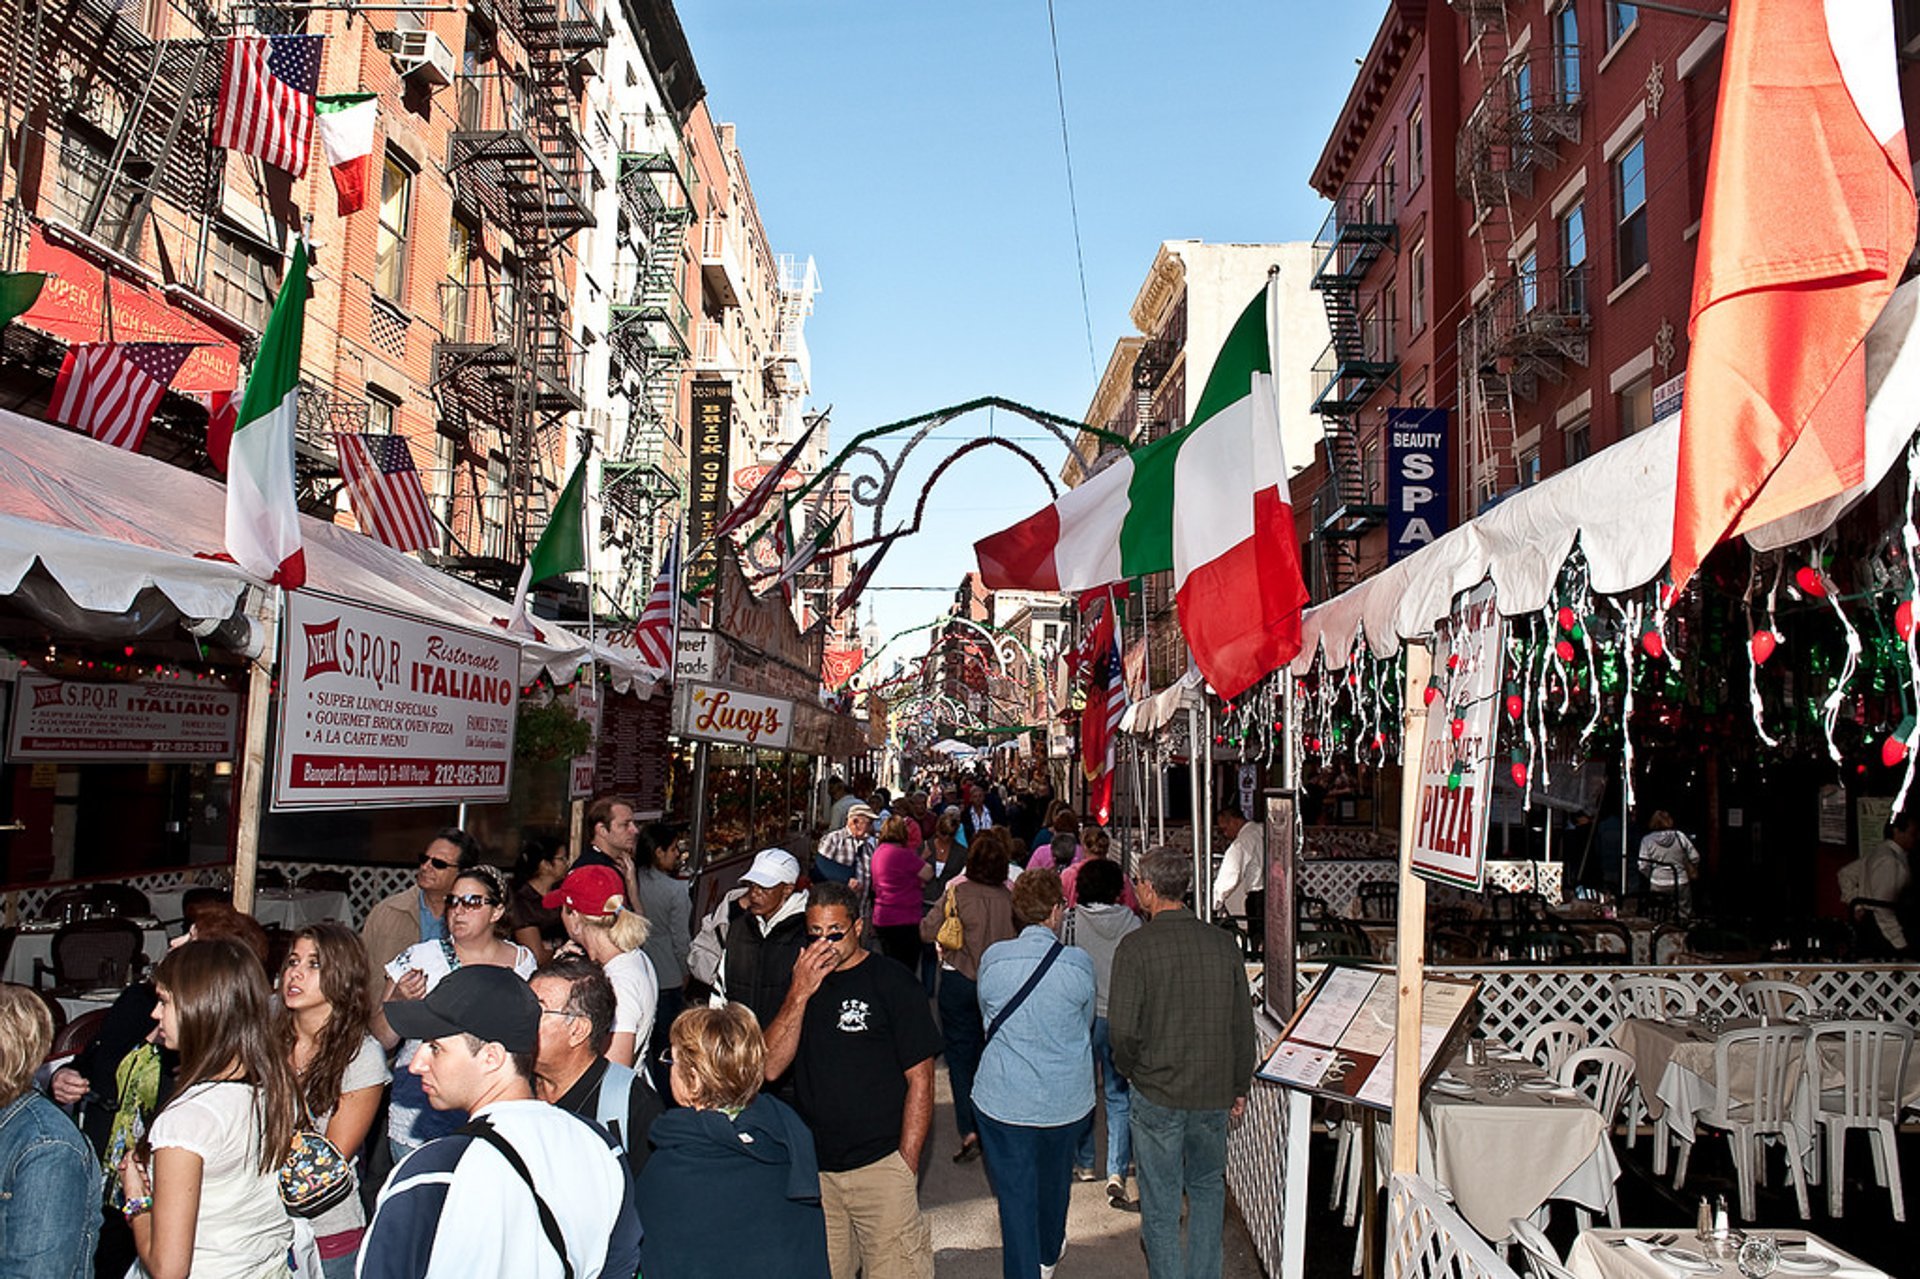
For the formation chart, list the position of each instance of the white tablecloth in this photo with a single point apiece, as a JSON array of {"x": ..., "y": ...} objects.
[
  {"x": 28, "y": 947},
  {"x": 286, "y": 907},
  {"x": 1594, "y": 1256}
]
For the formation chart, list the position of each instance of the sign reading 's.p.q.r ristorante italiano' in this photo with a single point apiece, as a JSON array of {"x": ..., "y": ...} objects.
[{"x": 381, "y": 709}]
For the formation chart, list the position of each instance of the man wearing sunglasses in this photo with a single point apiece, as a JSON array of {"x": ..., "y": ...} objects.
[
  {"x": 419, "y": 913},
  {"x": 858, "y": 1034}
]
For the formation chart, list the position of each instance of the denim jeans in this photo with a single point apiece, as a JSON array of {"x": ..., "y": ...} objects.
[
  {"x": 966, "y": 1039},
  {"x": 1119, "y": 1096},
  {"x": 1181, "y": 1151},
  {"x": 1032, "y": 1181}
]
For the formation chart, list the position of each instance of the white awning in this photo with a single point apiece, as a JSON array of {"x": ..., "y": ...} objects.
[
  {"x": 1151, "y": 714},
  {"x": 106, "y": 525},
  {"x": 1618, "y": 503}
]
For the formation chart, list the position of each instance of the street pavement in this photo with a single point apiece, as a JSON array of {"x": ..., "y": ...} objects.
[{"x": 1100, "y": 1239}]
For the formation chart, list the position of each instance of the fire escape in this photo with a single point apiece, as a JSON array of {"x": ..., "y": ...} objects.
[
  {"x": 1523, "y": 324},
  {"x": 507, "y": 372},
  {"x": 649, "y": 334},
  {"x": 1360, "y": 229}
]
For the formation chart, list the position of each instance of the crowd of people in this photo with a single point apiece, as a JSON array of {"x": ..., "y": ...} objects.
[{"x": 565, "y": 1074}]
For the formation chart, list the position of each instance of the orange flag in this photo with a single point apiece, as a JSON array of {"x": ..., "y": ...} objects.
[{"x": 1808, "y": 224}]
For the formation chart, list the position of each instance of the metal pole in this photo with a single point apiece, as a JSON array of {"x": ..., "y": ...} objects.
[
  {"x": 1194, "y": 769},
  {"x": 697, "y": 837},
  {"x": 253, "y": 764},
  {"x": 1203, "y": 821}
]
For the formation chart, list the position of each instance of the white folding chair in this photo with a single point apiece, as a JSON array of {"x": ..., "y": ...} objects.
[
  {"x": 1776, "y": 1000},
  {"x": 1775, "y": 1054},
  {"x": 1602, "y": 1076},
  {"x": 1552, "y": 1043},
  {"x": 1874, "y": 1060},
  {"x": 1543, "y": 1262},
  {"x": 1650, "y": 999}
]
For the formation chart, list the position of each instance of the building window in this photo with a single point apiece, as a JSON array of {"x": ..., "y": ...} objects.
[
  {"x": 242, "y": 277},
  {"x": 1630, "y": 208},
  {"x": 1566, "y": 54},
  {"x": 1526, "y": 274},
  {"x": 396, "y": 219},
  {"x": 1579, "y": 439},
  {"x": 84, "y": 157},
  {"x": 1416, "y": 147},
  {"x": 1573, "y": 259},
  {"x": 383, "y": 411},
  {"x": 1388, "y": 166},
  {"x": 1417, "y": 287},
  {"x": 1529, "y": 467},
  {"x": 1621, "y": 18},
  {"x": 1636, "y": 405},
  {"x": 454, "y": 290}
]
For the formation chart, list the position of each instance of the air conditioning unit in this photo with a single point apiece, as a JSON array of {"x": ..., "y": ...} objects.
[{"x": 423, "y": 56}]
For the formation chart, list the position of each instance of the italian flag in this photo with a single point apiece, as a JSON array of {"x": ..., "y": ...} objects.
[
  {"x": 562, "y": 547},
  {"x": 345, "y": 122},
  {"x": 263, "y": 519},
  {"x": 1209, "y": 502}
]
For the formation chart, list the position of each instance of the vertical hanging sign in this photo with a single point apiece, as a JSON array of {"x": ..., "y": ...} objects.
[
  {"x": 1456, "y": 761},
  {"x": 1416, "y": 479},
  {"x": 707, "y": 497}
]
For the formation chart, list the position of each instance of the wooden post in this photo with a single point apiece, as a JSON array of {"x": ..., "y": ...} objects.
[
  {"x": 1410, "y": 955},
  {"x": 253, "y": 758},
  {"x": 576, "y": 824}
]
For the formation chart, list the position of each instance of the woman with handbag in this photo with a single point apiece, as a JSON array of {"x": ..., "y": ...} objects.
[
  {"x": 209, "y": 1206},
  {"x": 326, "y": 1003},
  {"x": 1033, "y": 1097},
  {"x": 975, "y": 912}
]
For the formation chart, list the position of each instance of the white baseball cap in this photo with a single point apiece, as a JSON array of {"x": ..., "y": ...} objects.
[{"x": 771, "y": 868}]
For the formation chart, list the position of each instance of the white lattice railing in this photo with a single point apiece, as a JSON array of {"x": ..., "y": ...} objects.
[
  {"x": 1264, "y": 1153},
  {"x": 1426, "y": 1238},
  {"x": 366, "y": 885},
  {"x": 1337, "y": 881},
  {"x": 1515, "y": 1000},
  {"x": 25, "y": 902}
]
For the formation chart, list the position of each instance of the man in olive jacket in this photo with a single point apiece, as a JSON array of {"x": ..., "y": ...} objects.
[{"x": 1180, "y": 1016}]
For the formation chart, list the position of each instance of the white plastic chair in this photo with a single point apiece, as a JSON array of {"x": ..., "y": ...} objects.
[
  {"x": 1653, "y": 998},
  {"x": 1874, "y": 1057},
  {"x": 1552, "y": 1043},
  {"x": 1543, "y": 1262},
  {"x": 1776, "y": 1001},
  {"x": 1608, "y": 1075},
  {"x": 1775, "y": 1055}
]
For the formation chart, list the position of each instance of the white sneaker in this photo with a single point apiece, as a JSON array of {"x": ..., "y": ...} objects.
[{"x": 1046, "y": 1272}]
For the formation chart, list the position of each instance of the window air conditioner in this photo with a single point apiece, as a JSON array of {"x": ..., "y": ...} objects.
[{"x": 423, "y": 55}]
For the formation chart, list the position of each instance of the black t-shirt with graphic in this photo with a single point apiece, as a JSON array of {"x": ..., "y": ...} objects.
[{"x": 864, "y": 1029}]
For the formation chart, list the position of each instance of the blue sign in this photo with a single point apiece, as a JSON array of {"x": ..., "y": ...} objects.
[{"x": 1417, "y": 479}]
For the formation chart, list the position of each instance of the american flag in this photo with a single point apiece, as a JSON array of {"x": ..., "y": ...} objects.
[
  {"x": 266, "y": 99},
  {"x": 653, "y": 633},
  {"x": 110, "y": 389},
  {"x": 387, "y": 496}
]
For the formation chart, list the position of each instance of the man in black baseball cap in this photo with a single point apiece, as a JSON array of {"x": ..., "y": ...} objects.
[{"x": 525, "y": 1189}]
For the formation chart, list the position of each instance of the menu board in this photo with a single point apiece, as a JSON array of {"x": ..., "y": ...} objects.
[
  {"x": 633, "y": 751},
  {"x": 1340, "y": 1043}
]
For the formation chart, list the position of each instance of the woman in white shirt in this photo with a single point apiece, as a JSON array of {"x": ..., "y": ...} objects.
[
  {"x": 210, "y": 1204},
  {"x": 594, "y": 911},
  {"x": 326, "y": 1004},
  {"x": 476, "y": 911}
]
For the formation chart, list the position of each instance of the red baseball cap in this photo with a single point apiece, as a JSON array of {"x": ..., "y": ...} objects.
[{"x": 590, "y": 890}]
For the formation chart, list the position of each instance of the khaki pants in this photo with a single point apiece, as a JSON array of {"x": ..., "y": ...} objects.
[{"x": 874, "y": 1223}]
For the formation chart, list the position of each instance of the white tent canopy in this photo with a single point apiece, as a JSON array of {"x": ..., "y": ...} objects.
[
  {"x": 1618, "y": 503},
  {"x": 107, "y": 525}
]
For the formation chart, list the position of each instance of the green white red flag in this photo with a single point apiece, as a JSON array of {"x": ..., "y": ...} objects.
[
  {"x": 263, "y": 518},
  {"x": 1210, "y": 502},
  {"x": 345, "y": 122}
]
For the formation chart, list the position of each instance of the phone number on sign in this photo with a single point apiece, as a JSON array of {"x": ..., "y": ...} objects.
[{"x": 468, "y": 774}]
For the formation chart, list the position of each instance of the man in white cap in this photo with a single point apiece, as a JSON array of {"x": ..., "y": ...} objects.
[
  {"x": 846, "y": 855},
  {"x": 746, "y": 948}
]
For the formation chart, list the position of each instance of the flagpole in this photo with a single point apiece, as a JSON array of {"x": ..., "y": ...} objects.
[{"x": 677, "y": 553}]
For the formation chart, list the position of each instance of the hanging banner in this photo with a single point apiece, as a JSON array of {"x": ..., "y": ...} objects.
[
  {"x": 707, "y": 469},
  {"x": 1416, "y": 479},
  {"x": 706, "y": 712},
  {"x": 837, "y": 666},
  {"x": 56, "y": 719},
  {"x": 379, "y": 709},
  {"x": 1456, "y": 761}
]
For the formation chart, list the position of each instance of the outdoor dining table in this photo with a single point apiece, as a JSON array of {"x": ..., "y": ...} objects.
[
  {"x": 1502, "y": 1157},
  {"x": 1628, "y": 1254},
  {"x": 290, "y": 908},
  {"x": 35, "y": 941}
]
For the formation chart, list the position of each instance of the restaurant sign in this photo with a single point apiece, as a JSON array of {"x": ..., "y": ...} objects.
[
  {"x": 1456, "y": 760},
  {"x": 379, "y": 709},
  {"x": 707, "y": 712},
  {"x": 56, "y": 719}
]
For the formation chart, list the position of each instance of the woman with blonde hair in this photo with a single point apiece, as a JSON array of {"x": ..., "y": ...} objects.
[
  {"x": 49, "y": 1176},
  {"x": 733, "y": 1185},
  {"x": 326, "y": 1006},
  {"x": 210, "y": 1204},
  {"x": 593, "y": 908}
]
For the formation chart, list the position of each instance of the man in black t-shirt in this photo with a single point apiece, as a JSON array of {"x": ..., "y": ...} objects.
[{"x": 860, "y": 1040}]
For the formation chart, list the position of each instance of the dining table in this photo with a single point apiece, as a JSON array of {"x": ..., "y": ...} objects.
[
  {"x": 34, "y": 941},
  {"x": 289, "y": 908},
  {"x": 1675, "y": 1253}
]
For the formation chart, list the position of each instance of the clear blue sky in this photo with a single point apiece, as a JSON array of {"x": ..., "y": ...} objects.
[{"x": 914, "y": 151}]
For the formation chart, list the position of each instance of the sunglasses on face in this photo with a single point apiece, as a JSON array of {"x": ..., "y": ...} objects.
[
  {"x": 428, "y": 859},
  {"x": 471, "y": 901},
  {"x": 836, "y": 936}
]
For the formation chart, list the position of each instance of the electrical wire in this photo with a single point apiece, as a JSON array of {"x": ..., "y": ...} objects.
[{"x": 1073, "y": 201}]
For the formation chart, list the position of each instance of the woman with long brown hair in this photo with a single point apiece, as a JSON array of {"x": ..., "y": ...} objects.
[
  {"x": 210, "y": 1205},
  {"x": 326, "y": 1003}
]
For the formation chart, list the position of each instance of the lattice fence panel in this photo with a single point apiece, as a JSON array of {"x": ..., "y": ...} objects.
[
  {"x": 28, "y": 901},
  {"x": 1257, "y": 1163},
  {"x": 1428, "y": 1240},
  {"x": 366, "y": 885},
  {"x": 1336, "y": 881}
]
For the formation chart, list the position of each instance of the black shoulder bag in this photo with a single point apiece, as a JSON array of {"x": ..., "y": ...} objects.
[
  {"x": 1020, "y": 996},
  {"x": 486, "y": 1132}
]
